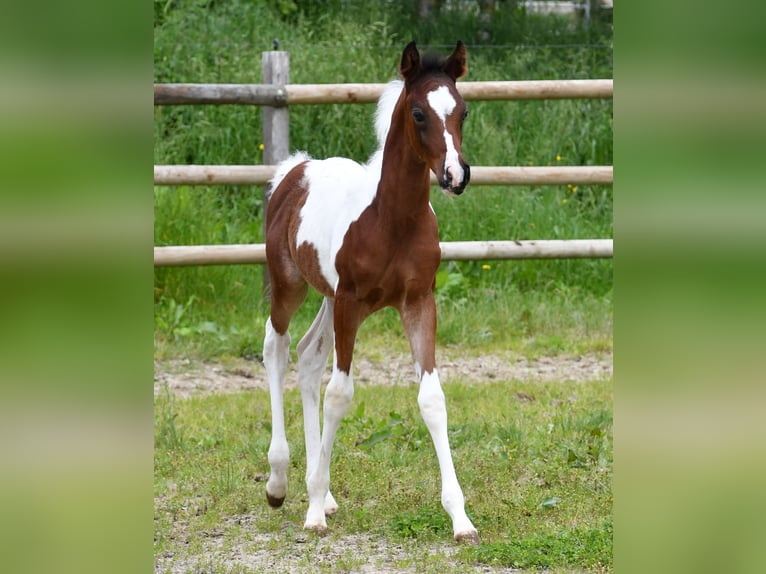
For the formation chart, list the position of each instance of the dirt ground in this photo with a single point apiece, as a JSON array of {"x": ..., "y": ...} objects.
[{"x": 186, "y": 378}]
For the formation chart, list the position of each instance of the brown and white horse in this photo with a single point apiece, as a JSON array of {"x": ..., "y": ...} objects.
[{"x": 365, "y": 237}]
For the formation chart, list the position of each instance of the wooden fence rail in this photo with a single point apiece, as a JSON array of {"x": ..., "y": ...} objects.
[
  {"x": 260, "y": 174},
  {"x": 295, "y": 94},
  {"x": 241, "y": 254}
]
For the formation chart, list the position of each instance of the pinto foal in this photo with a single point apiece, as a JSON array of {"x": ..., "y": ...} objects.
[{"x": 365, "y": 237}]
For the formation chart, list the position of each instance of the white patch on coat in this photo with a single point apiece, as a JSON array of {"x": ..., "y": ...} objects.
[{"x": 339, "y": 190}]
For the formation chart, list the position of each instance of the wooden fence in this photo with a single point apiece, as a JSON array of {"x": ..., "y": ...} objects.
[
  {"x": 260, "y": 174},
  {"x": 276, "y": 94},
  {"x": 302, "y": 94}
]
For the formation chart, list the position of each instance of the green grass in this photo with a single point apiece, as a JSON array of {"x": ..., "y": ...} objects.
[{"x": 534, "y": 461}]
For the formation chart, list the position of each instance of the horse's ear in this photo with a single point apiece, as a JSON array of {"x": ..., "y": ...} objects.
[
  {"x": 410, "y": 63},
  {"x": 455, "y": 66}
]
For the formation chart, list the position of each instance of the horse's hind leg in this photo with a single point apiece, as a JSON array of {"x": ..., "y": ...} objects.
[
  {"x": 313, "y": 351},
  {"x": 337, "y": 398},
  {"x": 276, "y": 349}
]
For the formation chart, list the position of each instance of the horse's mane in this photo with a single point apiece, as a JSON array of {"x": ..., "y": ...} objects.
[
  {"x": 383, "y": 113},
  {"x": 385, "y": 109}
]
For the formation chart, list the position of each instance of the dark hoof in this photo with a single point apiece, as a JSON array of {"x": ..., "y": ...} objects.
[
  {"x": 468, "y": 538},
  {"x": 318, "y": 530},
  {"x": 273, "y": 501}
]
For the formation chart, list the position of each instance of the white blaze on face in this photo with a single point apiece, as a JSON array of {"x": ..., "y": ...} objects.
[{"x": 442, "y": 103}]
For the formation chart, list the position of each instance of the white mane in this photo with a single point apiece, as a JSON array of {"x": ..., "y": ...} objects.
[
  {"x": 383, "y": 113},
  {"x": 371, "y": 175},
  {"x": 386, "y": 105}
]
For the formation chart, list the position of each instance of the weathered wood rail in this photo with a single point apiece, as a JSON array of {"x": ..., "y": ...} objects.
[
  {"x": 243, "y": 254},
  {"x": 261, "y": 174}
]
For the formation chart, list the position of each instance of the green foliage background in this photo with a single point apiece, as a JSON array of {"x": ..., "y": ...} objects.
[{"x": 534, "y": 306}]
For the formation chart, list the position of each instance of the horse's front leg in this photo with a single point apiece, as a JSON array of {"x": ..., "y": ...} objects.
[
  {"x": 419, "y": 321},
  {"x": 338, "y": 395}
]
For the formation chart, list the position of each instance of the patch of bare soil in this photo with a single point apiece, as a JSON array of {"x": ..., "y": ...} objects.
[
  {"x": 186, "y": 378},
  {"x": 295, "y": 551}
]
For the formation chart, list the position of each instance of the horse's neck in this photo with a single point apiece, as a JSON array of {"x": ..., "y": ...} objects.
[{"x": 404, "y": 187}]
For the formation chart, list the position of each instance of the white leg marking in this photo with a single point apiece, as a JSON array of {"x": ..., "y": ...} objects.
[
  {"x": 276, "y": 348},
  {"x": 313, "y": 351},
  {"x": 337, "y": 398},
  {"x": 330, "y": 505},
  {"x": 434, "y": 411}
]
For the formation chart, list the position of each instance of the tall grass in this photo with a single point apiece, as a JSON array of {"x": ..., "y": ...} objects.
[{"x": 533, "y": 306}]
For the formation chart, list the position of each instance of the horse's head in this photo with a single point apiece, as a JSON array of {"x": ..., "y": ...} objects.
[{"x": 436, "y": 112}]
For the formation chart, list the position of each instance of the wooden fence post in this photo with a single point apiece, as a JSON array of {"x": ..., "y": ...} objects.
[{"x": 276, "y": 124}]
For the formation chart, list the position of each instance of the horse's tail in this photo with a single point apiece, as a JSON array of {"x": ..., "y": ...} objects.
[
  {"x": 283, "y": 168},
  {"x": 386, "y": 105}
]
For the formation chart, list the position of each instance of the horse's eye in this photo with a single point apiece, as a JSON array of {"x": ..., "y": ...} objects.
[
  {"x": 465, "y": 113},
  {"x": 418, "y": 115}
]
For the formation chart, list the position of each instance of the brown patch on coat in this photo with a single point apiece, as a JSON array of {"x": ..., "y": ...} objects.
[
  {"x": 287, "y": 284},
  {"x": 307, "y": 259}
]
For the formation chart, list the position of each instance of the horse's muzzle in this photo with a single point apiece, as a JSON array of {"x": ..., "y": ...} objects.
[{"x": 448, "y": 186}]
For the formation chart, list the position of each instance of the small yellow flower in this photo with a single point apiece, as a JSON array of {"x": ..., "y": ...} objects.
[
  {"x": 486, "y": 267},
  {"x": 558, "y": 157},
  {"x": 530, "y": 162},
  {"x": 574, "y": 189},
  {"x": 564, "y": 201},
  {"x": 260, "y": 147}
]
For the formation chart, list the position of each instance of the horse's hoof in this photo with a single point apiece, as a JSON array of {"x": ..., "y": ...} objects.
[
  {"x": 330, "y": 506},
  {"x": 318, "y": 529},
  {"x": 470, "y": 538},
  {"x": 273, "y": 501}
]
